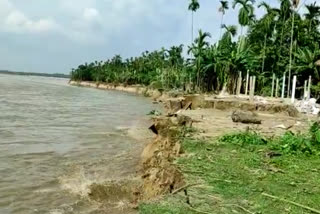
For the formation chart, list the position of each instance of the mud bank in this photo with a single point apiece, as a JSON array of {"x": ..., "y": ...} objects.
[
  {"x": 230, "y": 103},
  {"x": 160, "y": 176},
  {"x": 175, "y": 101},
  {"x": 157, "y": 174},
  {"x": 135, "y": 89}
]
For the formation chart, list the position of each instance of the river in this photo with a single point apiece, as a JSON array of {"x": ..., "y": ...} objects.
[{"x": 57, "y": 140}]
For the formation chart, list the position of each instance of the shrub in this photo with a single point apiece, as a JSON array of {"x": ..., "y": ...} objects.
[
  {"x": 244, "y": 138},
  {"x": 290, "y": 143}
]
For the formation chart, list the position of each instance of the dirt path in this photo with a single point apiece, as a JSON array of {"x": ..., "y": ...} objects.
[{"x": 214, "y": 123}]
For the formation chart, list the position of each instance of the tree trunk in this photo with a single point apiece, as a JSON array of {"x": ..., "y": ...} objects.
[
  {"x": 264, "y": 53},
  {"x": 192, "y": 27},
  {"x": 221, "y": 26},
  {"x": 291, "y": 48}
]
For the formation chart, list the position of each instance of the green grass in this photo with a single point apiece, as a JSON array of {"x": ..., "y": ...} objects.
[{"x": 234, "y": 172}]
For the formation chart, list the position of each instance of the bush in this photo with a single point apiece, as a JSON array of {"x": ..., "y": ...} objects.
[
  {"x": 244, "y": 138},
  {"x": 315, "y": 132},
  {"x": 290, "y": 143},
  {"x": 308, "y": 143}
]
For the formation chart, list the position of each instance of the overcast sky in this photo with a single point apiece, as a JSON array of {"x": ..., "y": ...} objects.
[{"x": 54, "y": 36}]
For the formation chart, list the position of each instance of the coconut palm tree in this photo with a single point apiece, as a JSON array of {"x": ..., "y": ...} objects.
[
  {"x": 267, "y": 26},
  {"x": 224, "y": 5},
  {"x": 198, "y": 49},
  {"x": 246, "y": 12},
  {"x": 308, "y": 62},
  {"x": 295, "y": 4},
  {"x": 230, "y": 32},
  {"x": 193, "y": 7},
  {"x": 313, "y": 15}
]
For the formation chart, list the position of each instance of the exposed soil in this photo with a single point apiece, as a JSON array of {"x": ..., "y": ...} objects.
[
  {"x": 212, "y": 116},
  {"x": 159, "y": 174},
  {"x": 214, "y": 123}
]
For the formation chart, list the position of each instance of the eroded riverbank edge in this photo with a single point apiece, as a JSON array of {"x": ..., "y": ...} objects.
[{"x": 159, "y": 175}]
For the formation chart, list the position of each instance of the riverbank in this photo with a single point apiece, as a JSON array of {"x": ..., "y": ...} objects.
[
  {"x": 175, "y": 101},
  {"x": 241, "y": 174},
  {"x": 135, "y": 89},
  {"x": 231, "y": 167},
  {"x": 187, "y": 169}
]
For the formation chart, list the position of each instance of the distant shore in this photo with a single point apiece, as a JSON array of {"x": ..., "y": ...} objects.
[{"x": 57, "y": 75}]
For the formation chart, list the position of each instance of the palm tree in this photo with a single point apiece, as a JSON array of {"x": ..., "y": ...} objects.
[
  {"x": 198, "y": 48},
  {"x": 223, "y": 7},
  {"x": 246, "y": 12},
  {"x": 268, "y": 22},
  {"x": 295, "y": 4},
  {"x": 231, "y": 31},
  {"x": 308, "y": 61},
  {"x": 193, "y": 7},
  {"x": 313, "y": 15}
]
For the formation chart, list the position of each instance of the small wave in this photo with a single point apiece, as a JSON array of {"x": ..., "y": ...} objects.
[
  {"x": 56, "y": 211},
  {"x": 113, "y": 194},
  {"x": 76, "y": 182}
]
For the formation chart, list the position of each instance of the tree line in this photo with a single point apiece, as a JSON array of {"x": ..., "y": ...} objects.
[{"x": 282, "y": 41}]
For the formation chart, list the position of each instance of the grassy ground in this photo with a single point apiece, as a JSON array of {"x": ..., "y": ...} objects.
[{"x": 233, "y": 173}]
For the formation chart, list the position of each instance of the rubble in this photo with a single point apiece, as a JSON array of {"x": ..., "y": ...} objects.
[{"x": 308, "y": 106}]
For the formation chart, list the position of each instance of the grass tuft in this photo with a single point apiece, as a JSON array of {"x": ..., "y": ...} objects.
[
  {"x": 244, "y": 138},
  {"x": 238, "y": 169}
]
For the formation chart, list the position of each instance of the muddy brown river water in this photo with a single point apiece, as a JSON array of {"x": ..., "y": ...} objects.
[{"x": 56, "y": 140}]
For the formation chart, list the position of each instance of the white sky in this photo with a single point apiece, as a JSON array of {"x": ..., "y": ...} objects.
[{"x": 54, "y": 36}]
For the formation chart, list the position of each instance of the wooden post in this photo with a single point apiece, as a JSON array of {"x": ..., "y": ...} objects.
[
  {"x": 247, "y": 83},
  {"x": 293, "y": 89},
  {"x": 272, "y": 90},
  {"x": 283, "y": 85},
  {"x": 305, "y": 91},
  {"x": 239, "y": 83},
  {"x": 277, "y": 87},
  {"x": 309, "y": 88}
]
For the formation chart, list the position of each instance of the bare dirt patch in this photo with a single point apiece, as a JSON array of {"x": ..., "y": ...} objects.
[{"x": 214, "y": 123}]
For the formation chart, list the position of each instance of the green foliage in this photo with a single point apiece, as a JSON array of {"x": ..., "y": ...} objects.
[
  {"x": 194, "y": 5},
  {"x": 244, "y": 138},
  {"x": 233, "y": 178},
  {"x": 290, "y": 143},
  {"x": 262, "y": 51},
  {"x": 315, "y": 132},
  {"x": 163, "y": 208},
  {"x": 307, "y": 144},
  {"x": 155, "y": 113}
]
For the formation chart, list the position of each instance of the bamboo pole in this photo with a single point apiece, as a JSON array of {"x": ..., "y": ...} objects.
[
  {"x": 277, "y": 87},
  {"x": 247, "y": 83},
  {"x": 293, "y": 89},
  {"x": 272, "y": 90},
  {"x": 283, "y": 85}
]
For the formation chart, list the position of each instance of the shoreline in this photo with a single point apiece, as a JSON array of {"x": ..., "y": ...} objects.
[
  {"x": 134, "y": 89},
  {"x": 174, "y": 102},
  {"x": 178, "y": 139},
  {"x": 155, "y": 169}
]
